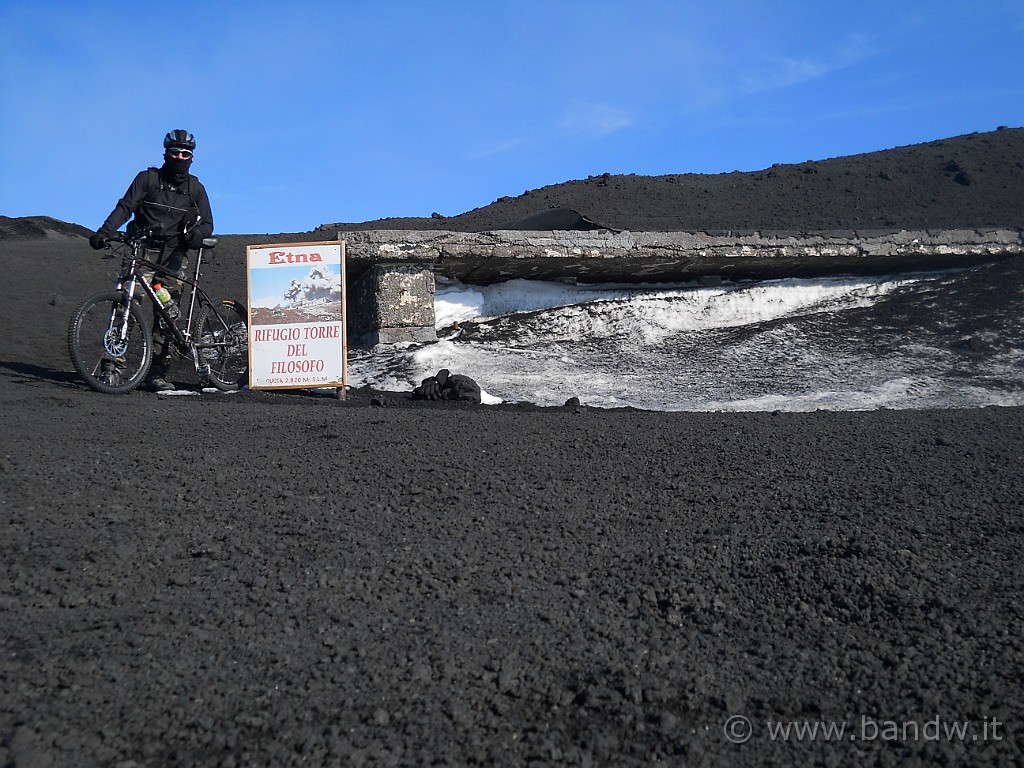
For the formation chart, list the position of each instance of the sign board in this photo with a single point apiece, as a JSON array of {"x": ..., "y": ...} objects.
[{"x": 297, "y": 316}]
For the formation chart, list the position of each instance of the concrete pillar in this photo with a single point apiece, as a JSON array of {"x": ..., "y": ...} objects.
[{"x": 393, "y": 303}]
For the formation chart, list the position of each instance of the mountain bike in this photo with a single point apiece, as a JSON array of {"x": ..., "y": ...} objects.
[{"x": 110, "y": 338}]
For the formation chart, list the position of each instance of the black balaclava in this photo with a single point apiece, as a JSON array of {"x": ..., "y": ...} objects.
[{"x": 176, "y": 168}]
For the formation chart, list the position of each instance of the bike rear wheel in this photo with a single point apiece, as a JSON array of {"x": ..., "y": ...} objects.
[
  {"x": 110, "y": 342},
  {"x": 222, "y": 341}
]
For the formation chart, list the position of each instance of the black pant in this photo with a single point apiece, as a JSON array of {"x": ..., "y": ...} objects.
[{"x": 175, "y": 263}]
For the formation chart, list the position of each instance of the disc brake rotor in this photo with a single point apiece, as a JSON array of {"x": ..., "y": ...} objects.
[{"x": 114, "y": 344}]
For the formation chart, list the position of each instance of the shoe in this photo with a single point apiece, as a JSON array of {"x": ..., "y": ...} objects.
[
  {"x": 155, "y": 382},
  {"x": 111, "y": 379},
  {"x": 109, "y": 374}
]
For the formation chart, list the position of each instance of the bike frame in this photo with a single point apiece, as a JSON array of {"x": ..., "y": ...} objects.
[{"x": 132, "y": 275}]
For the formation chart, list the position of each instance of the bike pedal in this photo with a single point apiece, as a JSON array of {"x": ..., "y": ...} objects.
[{"x": 203, "y": 370}]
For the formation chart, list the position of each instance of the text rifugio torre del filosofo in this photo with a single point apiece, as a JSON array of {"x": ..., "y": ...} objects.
[{"x": 295, "y": 336}]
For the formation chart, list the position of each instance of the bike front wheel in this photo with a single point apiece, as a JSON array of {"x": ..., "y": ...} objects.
[
  {"x": 110, "y": 342},
  {"x": 222, "y": 342}
]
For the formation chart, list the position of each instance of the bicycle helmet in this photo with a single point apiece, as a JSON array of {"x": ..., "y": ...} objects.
[{"x": 180, "y": 138}]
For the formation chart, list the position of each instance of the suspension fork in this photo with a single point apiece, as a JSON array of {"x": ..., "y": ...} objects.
[{"x": 127, "y": 289}]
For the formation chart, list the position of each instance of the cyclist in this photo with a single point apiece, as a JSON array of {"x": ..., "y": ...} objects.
[{"x": 173, "y": 205}]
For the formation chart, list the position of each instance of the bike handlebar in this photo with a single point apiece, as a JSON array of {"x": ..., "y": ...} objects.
[
  {"x": 148, "y": 234},
  {"x": 143, "y": 236}
]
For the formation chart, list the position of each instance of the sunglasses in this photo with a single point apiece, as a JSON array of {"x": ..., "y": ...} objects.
[{"x": 179, "y": 152}]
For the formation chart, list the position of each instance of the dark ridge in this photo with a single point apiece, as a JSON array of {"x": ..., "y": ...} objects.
[
  {"x": 970, "y": 181},
  {"x": 976, "y": 180},
  {"x": 33, "y": 227}
]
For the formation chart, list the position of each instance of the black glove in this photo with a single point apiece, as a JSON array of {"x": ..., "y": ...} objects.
[
  {"x": 461, "y": 388},
  {"x": 192, "y": 218},
  {"x": 194, "y": 239},
  {"x": 429, "y": 389},
  {"x": 98, "y": 242}
]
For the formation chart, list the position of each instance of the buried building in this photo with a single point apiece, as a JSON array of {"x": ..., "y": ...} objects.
[{"x": 393, "y": 271}]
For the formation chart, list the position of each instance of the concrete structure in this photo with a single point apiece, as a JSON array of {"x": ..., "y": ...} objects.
[
  {"x": 393, "y": 303},
  {"x": 393, "y": 270}
]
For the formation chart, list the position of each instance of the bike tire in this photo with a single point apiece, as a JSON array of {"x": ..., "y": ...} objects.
[
  {"x": 94, "y": 339},
  {"x": 224, "y": 320}
]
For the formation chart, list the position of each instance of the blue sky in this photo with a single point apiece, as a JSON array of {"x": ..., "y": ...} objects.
[{"x": 308, "y": 113}]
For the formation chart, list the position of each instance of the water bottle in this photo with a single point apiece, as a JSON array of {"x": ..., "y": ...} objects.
[{"x": 165, "y": 300}]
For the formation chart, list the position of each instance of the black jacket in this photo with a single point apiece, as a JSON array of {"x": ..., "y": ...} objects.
[{"x": 163, "y": 208}]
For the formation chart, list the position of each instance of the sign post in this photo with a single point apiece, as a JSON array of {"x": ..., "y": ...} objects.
[{"x": 297, "y": 316}]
